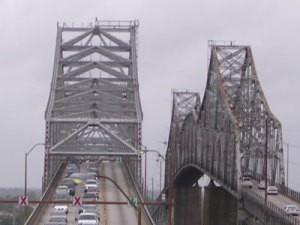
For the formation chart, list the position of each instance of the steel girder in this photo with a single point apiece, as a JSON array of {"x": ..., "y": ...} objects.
[
  {"x": 234, "y": 131},
  {"x": 230, "y": 133},
  {"x": 237, "y": 127},
  {"x": 185, "y": 105},
  {"x": 94, "y": 105}
]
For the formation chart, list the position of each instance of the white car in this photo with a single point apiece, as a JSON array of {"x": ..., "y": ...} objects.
[
  {"x": 246, "y": 182},
  {"x": 90, "y": 183},
  {"x": 88, "y": 218},
  {"x": 59, "y": 218},
  {"x": 62, "y": 189},
  {"x": 292, "y": 210},
  {"x": 63, "y": 208},
  {"x": 262, "y": 184},
  {"x": 88, "y": 208},
  {"x": 272, "y": 190}
]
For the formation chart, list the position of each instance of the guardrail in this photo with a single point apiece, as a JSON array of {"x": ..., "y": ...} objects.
[
  {"x": 145, "y": 209},
  {"x": 266, "y": 212},
  {"x": 159, "y": 214},
  {"x": 295, "y": 195},
  {"x": 37, "y": 212}
]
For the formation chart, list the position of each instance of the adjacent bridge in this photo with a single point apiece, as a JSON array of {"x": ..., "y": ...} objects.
[{"x": 230, "y": 134}]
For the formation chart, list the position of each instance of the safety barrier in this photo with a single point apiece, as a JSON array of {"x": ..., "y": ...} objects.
[
  {"x": 266, "y": 212},
  {"x": 38, "y": 211},
  {"x": 295, "y": 195},
  {"x": 145, "y": 209}
]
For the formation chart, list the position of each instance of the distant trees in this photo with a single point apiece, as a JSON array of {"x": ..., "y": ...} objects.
[
  {"x": 11, "y": 213},
  {"x": 6, "y": 220}
]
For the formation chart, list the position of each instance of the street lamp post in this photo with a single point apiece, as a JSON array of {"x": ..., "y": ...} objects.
[
  {"x": 145, "y": 181},
  {"x": 266, "y": 163},
  {"x": 25, "y": 185},
  {"x": 287, "y": 163},
  {"x": 170, "y": 186},
  {"x": 159, "y": 160},
  {"x": 145, "y": 169}
]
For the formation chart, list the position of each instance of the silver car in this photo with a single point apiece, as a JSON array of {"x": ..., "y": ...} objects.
[
  {"x": 246, "y": 182},
  {"x": 272, "y": 190},
  {"x": 88, "y": 218},
  {"x": 262, "y": 184},
  {"x": 292, "y": 210}
]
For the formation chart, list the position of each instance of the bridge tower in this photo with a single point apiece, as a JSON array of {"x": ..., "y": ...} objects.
[
  {"x": 94, "y": 107},
  {"x": 234, "y": 106}
]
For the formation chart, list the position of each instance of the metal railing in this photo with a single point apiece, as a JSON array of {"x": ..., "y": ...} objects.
[
  {"x": 295, "y": 195},
  {"x": 271, "y": 211},
  {"x": 33, "y": 218},
  {"x": 288, "y": 192}
]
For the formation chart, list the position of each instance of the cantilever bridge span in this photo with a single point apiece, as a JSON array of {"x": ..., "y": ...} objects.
[
  {"x": 232, "y": 132},
  {"x": 94, "y": 115},
  {"x": 94, "y": 106},
  {"x": 233, "y": 129}
]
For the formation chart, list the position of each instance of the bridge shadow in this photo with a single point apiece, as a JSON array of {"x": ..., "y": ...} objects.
[{"x": 201, "y": 205}]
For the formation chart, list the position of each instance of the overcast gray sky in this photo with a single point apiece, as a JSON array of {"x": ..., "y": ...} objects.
[{"x": 172, "y": 42}]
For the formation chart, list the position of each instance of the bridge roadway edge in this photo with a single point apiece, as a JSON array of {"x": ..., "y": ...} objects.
[
  {"x": 145, "y": 210},
  {"x": 38, "y": 211},
  {"x": 267, "y": 214}
]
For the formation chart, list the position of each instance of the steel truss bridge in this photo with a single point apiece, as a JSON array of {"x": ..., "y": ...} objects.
[
  {"x": 94, "y": 113},
  {"x": 231, "y": 133},
  {"x": 94, "y": 105}
]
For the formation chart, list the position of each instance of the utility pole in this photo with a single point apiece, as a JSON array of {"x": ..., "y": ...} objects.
[
  {"x": 159, "y": 160},
  {"x": 152, "y": 189},
  {"x": 160, "y": 175},
  {"x": 266, "y": 163},
  {"x": 170, "y": 184},
  {"x": 145, "y": 182},
  {"x": 287, "y": 165}
]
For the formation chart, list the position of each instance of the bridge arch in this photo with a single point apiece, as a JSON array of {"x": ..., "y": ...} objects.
[{"x": 188, "y": 175}]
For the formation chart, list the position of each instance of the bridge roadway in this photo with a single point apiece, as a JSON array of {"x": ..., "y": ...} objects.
[
  {"x": 110, "y": 214},
  {"x": 278, "y": 200}
]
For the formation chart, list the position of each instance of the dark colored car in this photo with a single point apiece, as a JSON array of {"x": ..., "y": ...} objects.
[
  {"x": 88, "y": 196},
  {"x": 70, "y": 184}
]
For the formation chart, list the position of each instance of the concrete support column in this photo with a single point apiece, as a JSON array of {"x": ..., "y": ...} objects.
[
  {"x": 219, "y": 206},
  {"x": 187, "y": 207}
]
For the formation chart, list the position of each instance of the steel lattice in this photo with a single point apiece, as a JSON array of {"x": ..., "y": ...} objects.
[{"x": 94, "y": 106}]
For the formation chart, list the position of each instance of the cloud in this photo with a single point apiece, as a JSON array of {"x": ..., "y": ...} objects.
[{"x": 172, "y": 40}]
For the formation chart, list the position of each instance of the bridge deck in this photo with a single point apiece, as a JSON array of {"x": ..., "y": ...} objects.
[
  {"x": 109, "y": 213},
  {"x": 271, "y": 211}
]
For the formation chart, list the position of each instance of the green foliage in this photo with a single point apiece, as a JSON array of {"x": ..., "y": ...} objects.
[
  {"x": 18, "y": 212},
  {"x": 7, "y": 207},
  {"x": 9, "y": 210},
  {"x": 5, "y": 220}
]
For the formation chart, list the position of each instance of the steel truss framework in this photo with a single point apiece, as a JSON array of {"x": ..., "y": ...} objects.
[
  {"x": 94, "y": 105},
  {"x": 232, "y": 132},
  {"x": 235, "y": 132},
  {"x": 185, "y": 106},
  {"x": 238, "y": 128}
]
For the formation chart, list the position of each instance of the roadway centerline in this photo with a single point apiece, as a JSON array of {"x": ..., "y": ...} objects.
[{"x": 103, "y": 191}]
